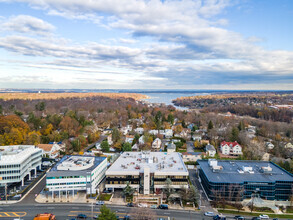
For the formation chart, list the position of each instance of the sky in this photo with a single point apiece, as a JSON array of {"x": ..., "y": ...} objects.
[{"x": 146, "y": 44}]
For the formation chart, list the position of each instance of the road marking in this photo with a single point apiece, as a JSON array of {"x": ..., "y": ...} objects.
[
  {"x": 51, "y": 208},
  {"x": 165, "y": 213},
  {"x": 12, "y": 214}
]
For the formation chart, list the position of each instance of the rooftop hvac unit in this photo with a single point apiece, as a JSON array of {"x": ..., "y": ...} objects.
[{"x": 267, "y": 169}]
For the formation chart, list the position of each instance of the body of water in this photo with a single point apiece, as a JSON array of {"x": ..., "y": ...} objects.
[{"x": 167, "y": 97}]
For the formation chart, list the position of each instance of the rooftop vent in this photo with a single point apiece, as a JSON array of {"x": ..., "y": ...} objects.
[{"x": 267, "y": 169}]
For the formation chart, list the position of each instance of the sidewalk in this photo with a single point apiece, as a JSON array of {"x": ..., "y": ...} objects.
[{"x": 79, "y": 198}]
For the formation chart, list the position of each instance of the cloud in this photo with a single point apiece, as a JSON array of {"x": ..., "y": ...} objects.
[{"x": 28, "y": 24}]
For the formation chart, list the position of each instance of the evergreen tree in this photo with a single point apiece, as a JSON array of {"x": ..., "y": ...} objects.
[
  {"x": 106, "y": 214},
  {"x": 115, "y": 135},
  {"x": 126, "y": 147},
  {"x": 210, "y": 125},
  {"x": 105, "y": 146},
  {"x": 234, "y": 134},
  {"x": 128, "y": 192}
]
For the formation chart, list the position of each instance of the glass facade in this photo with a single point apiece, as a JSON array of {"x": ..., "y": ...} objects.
[{"x": 278, "y": 190}]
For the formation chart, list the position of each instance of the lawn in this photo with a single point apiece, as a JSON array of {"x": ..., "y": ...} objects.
[
  {"x": 286, "y": 216},
  {"x": 104, "y": 197}
]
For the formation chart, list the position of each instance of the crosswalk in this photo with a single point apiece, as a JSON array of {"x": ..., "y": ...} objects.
[{"x": 12, "y": 214}]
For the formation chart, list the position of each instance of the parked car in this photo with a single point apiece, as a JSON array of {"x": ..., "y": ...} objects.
[
  {"x": 238, "y": 217},
  {"x": 163, "y": 206},
  {"x": 100, "y": 203},
  {"x": 153, "y": 206},
  {"x": 219, "y": 217},
  {"x": 264, "y": 217},
  {"x": 126, "y": 217},
  {"x": 81, "y": 216},
  {"x": 209, "y": 214},
  {"x": 96, "y": 216},
  {"x": 255, "y": 218},
  {"x": 142, "y": 205},
  {"x": 130, "y": 204}
]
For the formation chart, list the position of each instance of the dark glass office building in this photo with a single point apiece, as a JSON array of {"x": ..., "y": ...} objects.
[{"x": 245, "y": 179}]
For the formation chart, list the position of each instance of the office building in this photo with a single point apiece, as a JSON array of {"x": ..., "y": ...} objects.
[
  {"x": 245, "y": 179},
  {"x": 147, "y": 172},
  {"x": 17, "y": 162},
  {"x": 77, "y": 173}
]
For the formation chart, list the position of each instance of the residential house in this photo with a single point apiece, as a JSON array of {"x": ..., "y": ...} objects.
[
  {"x": 230, "y": 148},
  {"x": 154, "y": 132},
  {"x": 171, "y": 147},
  {"x": 139, "y": 130},
  {"x": 168, "y": 133},
  {"x": 51, "y": 150},
  {"x": 269, "y": 145},
  {"x": 109, "y": 139},
  {"x": 157, "y": 143},
  {"x": 288, "y": 145},
  {"x": 141, "y": 140},
  {"x": 196, "y": 137},
  {"x": 190, "y": 126},
  {"x": 125, "y": 130},
  {"x": 266, "y": 157},
  {"x": 191, "y": 156},
  {"x": 134, "y": 147},
  {"x": 210, "y": 150},
  {"x": 129, "y": 139}
]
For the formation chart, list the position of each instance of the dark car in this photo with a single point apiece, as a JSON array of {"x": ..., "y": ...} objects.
[
  {"x": 130, "y": 204},
  {"x": 81, "y": 216},
  {"x": 238, "y": 217},
  {"x": 163, "y": 206},
  {"x": 255, "y": 218},
  {"x": 218, "y": 217},
  {"x": 126, "y": 217}
]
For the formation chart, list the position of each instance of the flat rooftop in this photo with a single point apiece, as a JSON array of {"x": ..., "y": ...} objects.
[
  {"x": 75, "y": 164},
  {"x": 15, "y": 154},
  {"x": 234, "y": 171},
  {"x": 160, "y": 163}
]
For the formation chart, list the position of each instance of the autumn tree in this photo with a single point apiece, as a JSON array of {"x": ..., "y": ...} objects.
[{"x": 70, "y": 125}]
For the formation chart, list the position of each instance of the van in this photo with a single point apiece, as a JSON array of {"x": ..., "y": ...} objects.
[{"x": 45, "y": 216}]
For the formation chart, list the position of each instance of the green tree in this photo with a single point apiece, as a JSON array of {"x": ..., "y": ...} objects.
[
  {"x": 126, "y": 147},
  {"x": 128, "y": 192},
  {"x": 210, "y": 125},
  {"x": 135, "y": 139},
  {"x": 168, "y": 189},
  {"x": 234, "y": 134},
  {"x": 1, "y": 110},
  {"x": 241, "y": 126},
  {"x": 115, "y": 135},
  {"x": 105, "y": 146},
  {"x": 170, "y": 119},
  {"x": 106, "y": 214},
  {"x": 40, "y": 106}
]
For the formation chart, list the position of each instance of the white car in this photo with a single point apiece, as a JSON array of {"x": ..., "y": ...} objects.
[
  {"x": 209, "y": 214},
  {"x": 264, "y": 217},
  {"x": 142, "y": 205}
]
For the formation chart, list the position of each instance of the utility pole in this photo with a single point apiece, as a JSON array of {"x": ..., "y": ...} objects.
[{"x": 6, "y": 192}]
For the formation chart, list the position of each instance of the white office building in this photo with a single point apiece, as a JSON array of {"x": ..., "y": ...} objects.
[
  {"x": 76, "y": 173},
  {"x": 147, "y": 171},
  {"x": 18, "y": 161}
]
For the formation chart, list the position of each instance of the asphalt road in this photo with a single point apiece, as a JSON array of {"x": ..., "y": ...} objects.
[
  {"x": 102, "y": 137},
  {"x": 68, "y": 211}
]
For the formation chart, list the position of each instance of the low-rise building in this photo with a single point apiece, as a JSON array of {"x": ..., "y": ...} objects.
[
  {"x": 139, "y": 130},
  {"x": 269, "y": 145},
  {"x": 210, "y": 150},
  {"x": 157, "y": 143},
  {"x": 171, "y": 147},
  {"x": 230, "y": 148},
  {"x": 141, "y": 140},
  {"x": 77, "y": 173},
  {"x": 191, "y": 156},
  {"x": 168, "y": 133},
  {"x": 147, "y": 171},
  {"x": 17, "y": 162},
  {"x": 246, "y": 179},
  {"x": 50, "y": 150},
  {"x": 129, "y": 139},
  {"x": 109, "y": 139}
]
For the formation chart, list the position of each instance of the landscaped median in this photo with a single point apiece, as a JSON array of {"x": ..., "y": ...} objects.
[{"x": 272, "y": 215}]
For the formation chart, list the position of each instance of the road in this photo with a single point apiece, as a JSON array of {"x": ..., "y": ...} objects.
[
  {"x": 205, "y": 204},
  {"x": 67, "y": 211},
  {"x": 190, "y": 146},
  {"x": 102, "y": 137}
]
